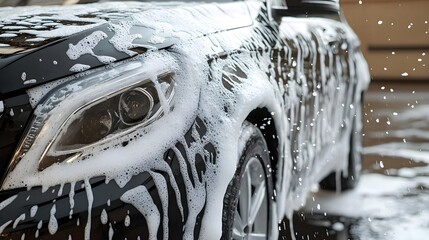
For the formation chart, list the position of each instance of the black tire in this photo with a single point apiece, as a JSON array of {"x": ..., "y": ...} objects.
[
  {"x": 254, "y": 158},
  {"x": 350, "y": 179}
]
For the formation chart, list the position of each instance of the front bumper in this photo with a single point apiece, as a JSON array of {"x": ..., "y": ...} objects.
[{"x": 94, "y": 209}]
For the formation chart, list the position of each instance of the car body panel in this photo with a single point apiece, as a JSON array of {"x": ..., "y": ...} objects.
[
  {"x": 63, "y": 210},
  {"x": 306, "y": 73},
  {"x": 87, "y": 38}
]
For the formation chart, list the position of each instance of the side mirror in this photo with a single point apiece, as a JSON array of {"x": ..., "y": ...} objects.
[
  {"x": 277, "y": 9},
  {"x": 303, "y": 8}
]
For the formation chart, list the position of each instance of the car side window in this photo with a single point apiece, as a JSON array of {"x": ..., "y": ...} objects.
[{"x": 278, "y": 3}]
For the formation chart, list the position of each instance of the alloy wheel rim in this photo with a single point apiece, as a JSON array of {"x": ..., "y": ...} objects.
[{"x": 251, "y": 212}]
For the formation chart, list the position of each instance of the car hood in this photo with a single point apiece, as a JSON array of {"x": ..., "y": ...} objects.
[{"x": 41, "y": 44}]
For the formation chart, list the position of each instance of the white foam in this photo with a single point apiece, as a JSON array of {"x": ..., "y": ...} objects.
[
  {"x": 35, "y": 40},
  {"x": 111, "y": 231},
  {"x": 188, "y": 60},
  {"x": 33, "y": 210},
  {"x": 18, "y": 219},
  {"x": 13, "y": 27},
  {"x": 156, "y": 39},
  {"x": 140, "y": 198},
  {"x": 374, "y": 197},
  {"x": 123, "y": 40},
  {"x": 30, "y": 81},
  {"x": 8, "y": 201},
  {"x": 86, "y": 46},
  {"x": 404, "y": 150},
  {"x": 90, "y": 197},
  {"x": 53, "y": 223},
  {"x": 2, "y": 227},
  {"x": 8, "y": 35},
  {"x": 161, "y": 186},
  {"x": 127, "y": 222},
  {"x": 103, "y": 217},
  {"x": 59, "y": 32},
  {"x": 79, "y": 67}
]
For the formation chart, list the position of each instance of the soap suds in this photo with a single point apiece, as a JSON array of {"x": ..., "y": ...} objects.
[
  {"x": 20, "y": 218},
  {"x": 79, "y": 67},
  {"x": 33, "y": 210},
  {"x": 140, "y": 198},
  {"x": 238, "y": 84},
  {"x": 103, "y": 217},
  {"x": 8, "y": 201},
  {"x": 53, "y": 223},
  {"x": 86, "y": 46}
]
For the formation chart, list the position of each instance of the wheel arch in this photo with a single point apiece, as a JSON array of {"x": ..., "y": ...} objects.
[{"x": 262, "y": 118}]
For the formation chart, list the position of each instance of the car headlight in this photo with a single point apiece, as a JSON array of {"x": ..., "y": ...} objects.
[{"x": 87, "y": 113}]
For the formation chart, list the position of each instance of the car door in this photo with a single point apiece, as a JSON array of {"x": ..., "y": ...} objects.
[{"x": 314, "y": 65}]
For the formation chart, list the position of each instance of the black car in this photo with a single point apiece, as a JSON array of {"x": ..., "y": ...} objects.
[{"x": 174, "y": 120}]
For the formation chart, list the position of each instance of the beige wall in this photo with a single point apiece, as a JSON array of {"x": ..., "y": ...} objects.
[{"x": 394, "y": 36}]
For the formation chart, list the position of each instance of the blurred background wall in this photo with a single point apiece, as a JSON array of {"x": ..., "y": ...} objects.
[{"x": 394, "y": 36}]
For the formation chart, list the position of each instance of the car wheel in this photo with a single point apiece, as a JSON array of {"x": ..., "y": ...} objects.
[
  {"x": 350, "y": 179},
  {"x": 249, "y": 196}
]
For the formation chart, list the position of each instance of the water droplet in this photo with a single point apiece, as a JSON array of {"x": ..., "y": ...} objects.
[
  {"x": 127, "y": 221},
  {"x": 338, "y": 226},
  {"x": 103, "y": 217}
]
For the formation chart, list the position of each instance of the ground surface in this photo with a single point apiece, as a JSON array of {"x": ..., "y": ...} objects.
[{"x": 391, "y": 199}]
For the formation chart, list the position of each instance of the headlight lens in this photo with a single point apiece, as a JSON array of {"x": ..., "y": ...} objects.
[
  {"x": 107, "y": 118},
  {"x": 136, "y": 105},
  {"x": 84, "y": 114}
]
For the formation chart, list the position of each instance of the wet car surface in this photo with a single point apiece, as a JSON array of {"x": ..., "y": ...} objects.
[
  {"x": 390, "y": 201},
  {"x": 174, "y": 120}
]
